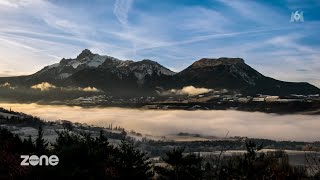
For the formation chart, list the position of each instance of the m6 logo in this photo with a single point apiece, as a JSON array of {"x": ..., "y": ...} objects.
[
  {"x": 297, "y": 17},
  {"x": 34, "y": 160}
]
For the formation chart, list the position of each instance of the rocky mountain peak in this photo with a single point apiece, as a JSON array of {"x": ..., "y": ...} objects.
[
  {"x": 85, "y": 53},
  {"x": 215, "y": 62},
  {"x": 148, "y": 67},
  {"x": 149, "y": 61}
]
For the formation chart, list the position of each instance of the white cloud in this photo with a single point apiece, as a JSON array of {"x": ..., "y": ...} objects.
[
  {"x": 90, "y": 89},
  {"x": 44, "y": 86},
  {"x": 188, "y": 90},
  {"x": 290, "y": 41},
  {"x": 16, "y": 3},
  {"x": 43, "y": 32},
  {"x": 191, "y": 90},
  {"x": 8, "y": 4},
  {"x": 85, "y": 89},
  {"x": 257, "y": 12},
  {"x": 7, "y": 85},
  {"x": 121, "y": 10}
]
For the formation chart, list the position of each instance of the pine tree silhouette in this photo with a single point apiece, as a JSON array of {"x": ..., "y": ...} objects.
[{"x": 41, "y": 143}]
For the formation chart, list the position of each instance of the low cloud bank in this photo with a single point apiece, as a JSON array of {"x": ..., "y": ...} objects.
[
  {"x": 188, "y": 90},
  {"x": 7, "y": 85},
  {"x": 217, "y": 123},
  {"x": 90, "y": 89},
  {"x": 86, "y": 89},
  {"x": 45, "y": 86}
]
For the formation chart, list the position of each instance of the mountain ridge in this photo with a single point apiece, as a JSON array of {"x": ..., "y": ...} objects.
[{"x": 138, "y": 77}]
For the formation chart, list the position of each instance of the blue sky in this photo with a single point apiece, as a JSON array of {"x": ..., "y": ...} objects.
[{"x": 36, "y": 33}]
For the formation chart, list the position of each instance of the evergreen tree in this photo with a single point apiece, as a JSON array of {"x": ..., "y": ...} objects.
[
  {"x": 132, "y": 163},
  {"x": 41, "y": 143},
  {"x": 181, "y": 166}
]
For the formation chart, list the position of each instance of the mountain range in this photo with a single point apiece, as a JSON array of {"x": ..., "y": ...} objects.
[{"x": 127, "y": 77}]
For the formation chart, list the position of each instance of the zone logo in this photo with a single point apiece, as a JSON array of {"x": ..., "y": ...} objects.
[{"x": 34, "y": 160}]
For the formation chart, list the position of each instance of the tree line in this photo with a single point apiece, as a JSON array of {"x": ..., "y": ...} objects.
[{"x": 85, "y": 157}]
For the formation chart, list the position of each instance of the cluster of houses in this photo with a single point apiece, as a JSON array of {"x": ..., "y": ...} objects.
[
  {"x": 281, "y": 99},
  {"x": 100, "y": 99},
  {"x": 103, "y": 99}
]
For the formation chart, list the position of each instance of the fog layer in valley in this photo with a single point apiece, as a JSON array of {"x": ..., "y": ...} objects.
[{"x": 159, "y": 122}]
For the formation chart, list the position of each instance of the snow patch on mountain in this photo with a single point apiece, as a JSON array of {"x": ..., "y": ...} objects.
[
  {"x": 147, "y": 67},
  {"x": 95, "y": 61},
  {"x": 166, "y": 71},
  {"x": 124, "y": 63},
  {"x": 140, "y": 76},
  {"x": 64, "y": 75},
  {"x": 75, "y": 64},
  {"x": 53, "y": 65},
  {"x": 239, "y": 72}
]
